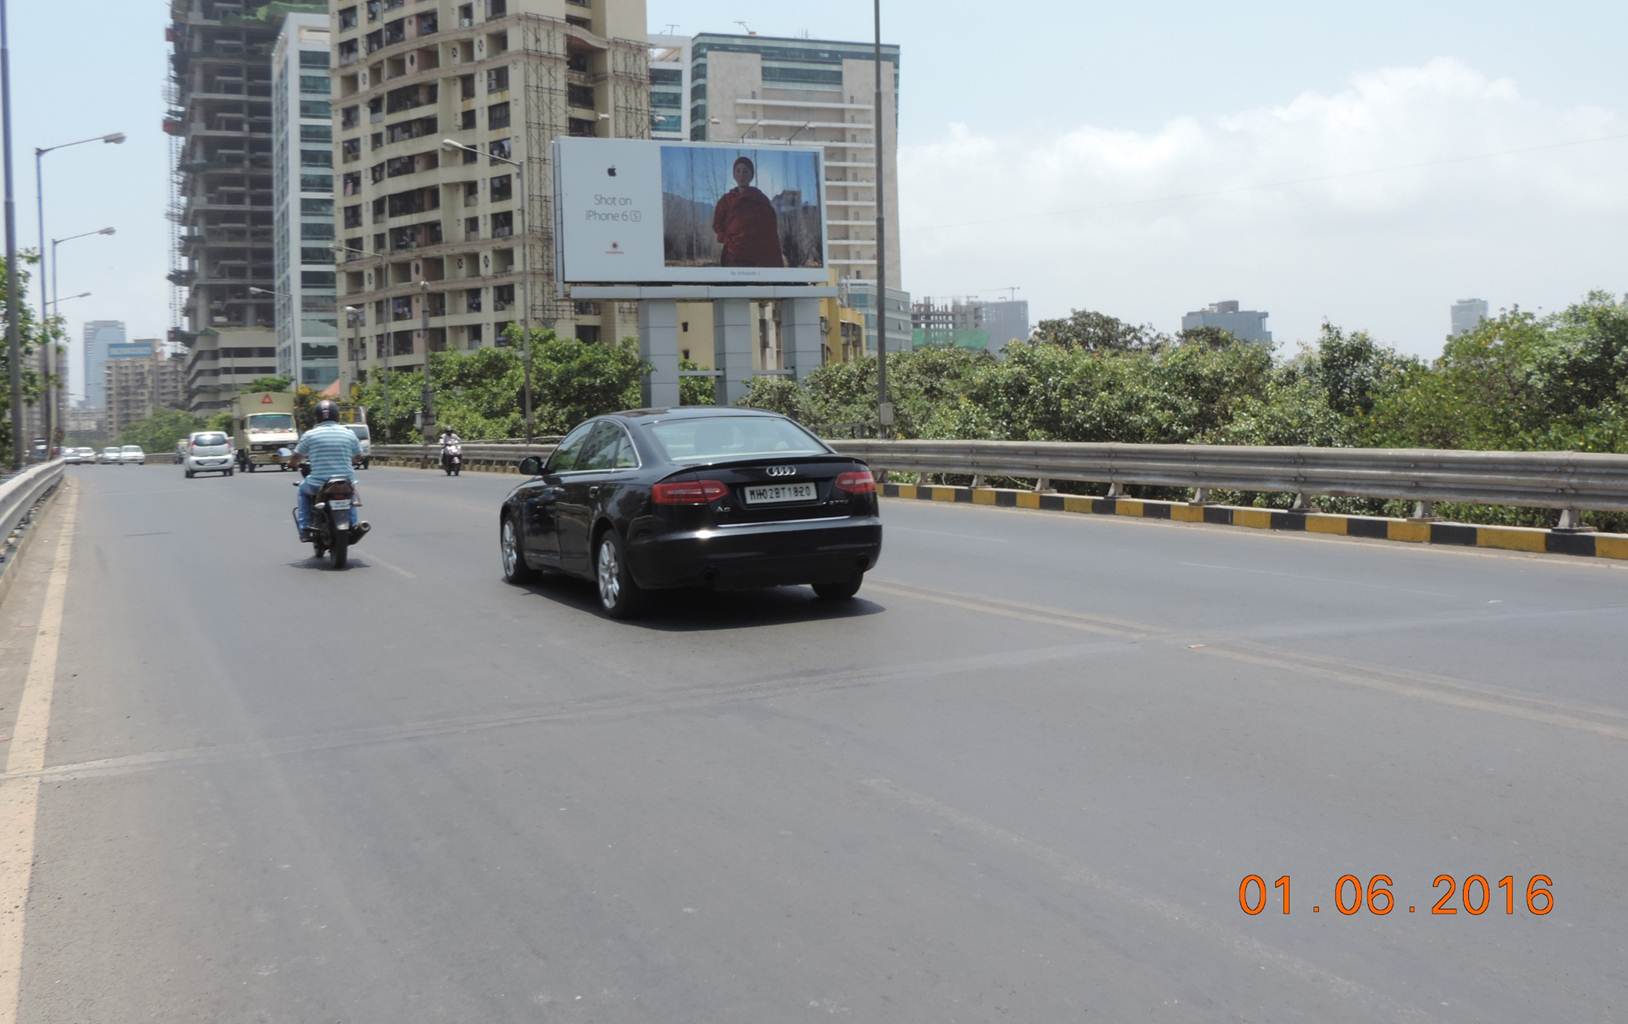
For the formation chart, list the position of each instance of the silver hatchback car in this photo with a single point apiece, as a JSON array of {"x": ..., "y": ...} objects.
[{"x": 208, "y": 451}]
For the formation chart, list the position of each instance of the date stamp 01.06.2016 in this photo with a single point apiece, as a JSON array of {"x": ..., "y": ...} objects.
[{"x": 1473, "y": 895}]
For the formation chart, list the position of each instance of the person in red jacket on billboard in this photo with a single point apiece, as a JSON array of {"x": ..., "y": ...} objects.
[{"x": 746, "y": 223}]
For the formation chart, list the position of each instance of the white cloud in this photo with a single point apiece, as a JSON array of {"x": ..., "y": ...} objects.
[{"x": 1375, "y": 206}]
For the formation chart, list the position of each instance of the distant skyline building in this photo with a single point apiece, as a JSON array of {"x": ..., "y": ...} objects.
[
  {"x": 1467, "y": 315},
  {"x": 99, "y": 336},
  {"x": 669, "y": 87},
  {"x": 969, "y": 323},
  {"x": 140, "y": 385},
  {"x": 303, "y": 200},
  {"x": 1243, "y": 324}
]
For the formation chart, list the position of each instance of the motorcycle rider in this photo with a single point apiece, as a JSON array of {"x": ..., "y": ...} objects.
[
  {"x": 332, "y": 450},
  {"x": 449, "y": 437}
]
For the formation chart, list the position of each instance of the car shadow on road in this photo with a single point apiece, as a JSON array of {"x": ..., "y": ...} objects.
[{"x": 695, "y": 611}]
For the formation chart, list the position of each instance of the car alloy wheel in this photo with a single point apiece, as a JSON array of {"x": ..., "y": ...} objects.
[
  {"x": 515, "y": 569},
  {"x": 610, "y": 575}
]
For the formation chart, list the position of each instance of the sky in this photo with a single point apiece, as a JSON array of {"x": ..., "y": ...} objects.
[{"x": 1366, "y": 164}]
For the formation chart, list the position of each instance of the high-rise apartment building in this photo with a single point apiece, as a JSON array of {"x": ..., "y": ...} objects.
[
  {"x": 435, "y": 239},
  {"x": 140, "y": 385},
  {"x": 1467, "y": 315},
  {"x": 1243, "y": 324},
  {"x": 812, "y": 92},
  {"x": 100, "y": 335},
  {"x": 220, "y": 123},
  {"x": 301, "y": 119}
]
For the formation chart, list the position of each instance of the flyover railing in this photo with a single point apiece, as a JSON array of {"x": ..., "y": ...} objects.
[
  {"x": 1571, "y": 482},
  {"x": 18, "y": 494}
]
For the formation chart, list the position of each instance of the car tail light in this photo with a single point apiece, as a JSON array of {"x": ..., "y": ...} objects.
[
  {"x": 688, "y": 492},
  {"x": 857, "y": 481}
]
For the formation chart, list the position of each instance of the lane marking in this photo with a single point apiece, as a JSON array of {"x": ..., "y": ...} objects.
[
  {"x": 609, "y": 707},
  {"x": 371, "y": 559},
  {"x": 942, "y": 533},
  {"x": 1444, "y": 690},
  {"x": 1080, "y": 875},
  {"x": 1324, "y": 579},
  {"x": 19, "y": 797}
]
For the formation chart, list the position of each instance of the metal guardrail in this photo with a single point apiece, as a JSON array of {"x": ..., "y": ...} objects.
[
  {"x": 1569, "y": 481},
  {"x": 502, "y": 455},
  {"x": 19, "y": 494}
]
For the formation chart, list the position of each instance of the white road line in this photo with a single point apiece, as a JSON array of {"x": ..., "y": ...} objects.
[
  {"x": 373, "y": 559},
  {"x": 1378, "y": 1004},
  {"x": 891, "y": 528},
  {"x": 1323, "y": 579},
  {"x": 19, "y": 797}
]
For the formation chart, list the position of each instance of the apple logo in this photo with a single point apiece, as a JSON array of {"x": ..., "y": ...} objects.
[{"x": 610, "y": 171}]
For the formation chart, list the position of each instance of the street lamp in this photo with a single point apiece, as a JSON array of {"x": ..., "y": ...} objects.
[
  {"x": 56, "y": 283},
  {"x": 426, "y": 399},
  {"x": 384, "y": 363},
  {"x": 112, "y": 138},
  {"x": 354, "y": 315},
  {"x": 884, "y": 408},
  {"x": 66, "y": 298},
  {"x": 525, "y": 272}
]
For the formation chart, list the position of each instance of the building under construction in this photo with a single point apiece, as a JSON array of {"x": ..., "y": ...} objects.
[
  {"x": 434, "y": 240},
  {"x": 221, "y": 206},
  {"x": 970, "y": 323}
]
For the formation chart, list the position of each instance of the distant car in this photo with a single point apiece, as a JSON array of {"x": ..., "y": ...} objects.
[
  {"x": 695, "y": 497},
  {"x": 73, "y": 456},
  {"x": 364, "y": 436},
  {"x": 111, "y": 456},
  {"x": 131, "y": 454},
  {"x": 207, "y": 451}
]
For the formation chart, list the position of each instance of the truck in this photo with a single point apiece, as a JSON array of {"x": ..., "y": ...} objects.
[{"x": 262, "y": 423}]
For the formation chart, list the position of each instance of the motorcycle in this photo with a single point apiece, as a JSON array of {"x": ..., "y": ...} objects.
[
  {"x": 335, "y": 527},
  {"x": 452, "y": 459}
]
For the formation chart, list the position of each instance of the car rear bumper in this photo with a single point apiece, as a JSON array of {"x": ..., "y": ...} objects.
[
  {"x": 212, "y": 464},
  {"x": 760, "y": 555}
]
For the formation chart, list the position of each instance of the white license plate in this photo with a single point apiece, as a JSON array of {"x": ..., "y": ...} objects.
[
  {"x": 775, "y": 493},
  {"x": 339, "y": 505}
]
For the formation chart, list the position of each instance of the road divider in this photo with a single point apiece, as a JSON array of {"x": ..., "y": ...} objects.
[{"x": 1508, "y": 538}]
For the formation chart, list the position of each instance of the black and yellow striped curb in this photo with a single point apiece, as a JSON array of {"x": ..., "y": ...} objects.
[{"x": 1508, "y": 538}]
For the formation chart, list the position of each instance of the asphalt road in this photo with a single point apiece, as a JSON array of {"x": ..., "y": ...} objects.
[{"x": 1021, "y": 778}]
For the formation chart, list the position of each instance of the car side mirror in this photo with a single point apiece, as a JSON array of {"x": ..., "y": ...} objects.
[{"x": 531, "y": 465}]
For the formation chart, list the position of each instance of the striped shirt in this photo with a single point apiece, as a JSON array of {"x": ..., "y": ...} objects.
[{"x": 330, "y": 447}]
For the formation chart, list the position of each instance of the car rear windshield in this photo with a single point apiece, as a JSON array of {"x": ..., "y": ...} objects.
[
  {"x": 209, "y": 440},
  {"x": 359, "y": 429},
  {"x": 721, "y": 438},
  {"x": 271, "y": 421},
  {"x": 131, "y": 449}
]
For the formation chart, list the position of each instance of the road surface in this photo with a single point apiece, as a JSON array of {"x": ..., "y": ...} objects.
[{"x": 1021, "y": 778}]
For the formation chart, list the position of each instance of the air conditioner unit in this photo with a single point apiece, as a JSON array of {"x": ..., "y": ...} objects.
[
  {"x": 457, "y": 54},
  {"x": 466, "y": 22}
]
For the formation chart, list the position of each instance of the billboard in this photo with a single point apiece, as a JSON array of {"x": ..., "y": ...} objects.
[{"x": 630, "y": 211}]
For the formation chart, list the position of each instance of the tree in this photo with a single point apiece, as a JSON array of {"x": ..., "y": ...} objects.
[
  {"x": 1097, "y": 332},
  {"x": 695, "y": 390},
  {"x": 30, "y": 336},
  {"x": 160, "y": 431},
  {"x": 260, "y": 384}
]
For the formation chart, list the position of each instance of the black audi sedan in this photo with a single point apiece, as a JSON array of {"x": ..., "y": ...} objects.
[{"x": 694, "y": 497}]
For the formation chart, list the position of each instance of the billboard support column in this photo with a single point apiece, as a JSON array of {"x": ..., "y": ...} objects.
[
  {"x": 801, "y": 339},
  {"x": 658, "y": 346},
  {"x": 732, "y": 348}
]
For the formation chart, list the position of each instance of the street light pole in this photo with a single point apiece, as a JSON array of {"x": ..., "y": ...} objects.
[
  {"x": 884, "y": 408},
  {"x": 525, "y": 270},
  {"x": 14, "y": 345},
  {"x": 425, "y": 397},
  {"x": 112, "y": 138}
]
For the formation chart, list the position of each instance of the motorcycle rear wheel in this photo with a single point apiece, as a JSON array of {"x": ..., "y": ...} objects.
[{"x": 341, "y": 552}]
